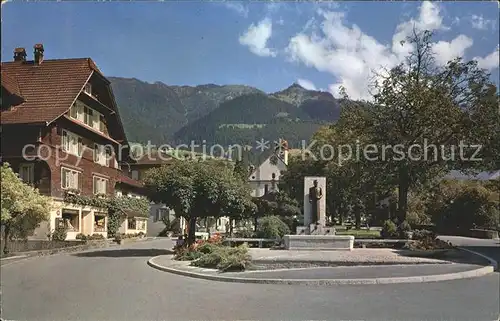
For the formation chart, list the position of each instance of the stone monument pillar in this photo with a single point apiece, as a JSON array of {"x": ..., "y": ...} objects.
[
  {"x": 315, "y": 201},
  {"x": 314, "y": 235}
]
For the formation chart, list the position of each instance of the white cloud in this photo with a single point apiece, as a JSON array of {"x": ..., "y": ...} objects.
[
  {"x": 446, "y": 51},
  {"x": 240, "y": 8},
  {"x": 307, "y": 84},
  {"x": 429, "y": 19},
  {"x": 489, "y": 62},
  {"x": 480, "y": 23},
  {"x": 355, "y": 58},
  {"x": 272, "y": 6},
  {"x": 256, "y": 38}
]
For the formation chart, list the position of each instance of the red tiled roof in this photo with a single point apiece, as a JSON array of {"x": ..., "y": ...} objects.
[
  {"x": 49, "y": 89},
  {"x": 10, "y": 84}
]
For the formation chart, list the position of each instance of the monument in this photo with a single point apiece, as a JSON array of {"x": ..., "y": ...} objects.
[{"x": 315, "y": 234}]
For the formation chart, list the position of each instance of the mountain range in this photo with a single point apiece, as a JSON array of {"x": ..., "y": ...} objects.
[{"x": 225, "y": 115}]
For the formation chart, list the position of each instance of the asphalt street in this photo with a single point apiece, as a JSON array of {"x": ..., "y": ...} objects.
[{"x": 117, "y": 284}]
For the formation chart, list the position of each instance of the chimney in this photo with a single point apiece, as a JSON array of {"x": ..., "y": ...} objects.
[
  {"x": 19, "y": 54},
  {"x": 38, "y": 53}
]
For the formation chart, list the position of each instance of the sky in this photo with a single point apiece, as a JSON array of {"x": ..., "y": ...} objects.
[{"x": 264, "y": 44}]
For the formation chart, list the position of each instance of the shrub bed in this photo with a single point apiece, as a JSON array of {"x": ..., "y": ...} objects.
[
  {"x": 95, "y": 236},
  {"x": 426, "y": 240},
  {"x": 128, "y": 236},
  {"x": 212, "y": 254}
]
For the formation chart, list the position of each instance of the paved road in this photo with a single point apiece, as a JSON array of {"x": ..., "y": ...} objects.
[{"x": 116, "y": 284}]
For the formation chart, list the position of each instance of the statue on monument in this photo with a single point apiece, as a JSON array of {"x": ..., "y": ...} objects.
[{"x": 315, "y": 194}]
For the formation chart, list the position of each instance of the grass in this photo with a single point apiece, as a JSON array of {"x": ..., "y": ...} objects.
[{"x": 360, "y": 234}]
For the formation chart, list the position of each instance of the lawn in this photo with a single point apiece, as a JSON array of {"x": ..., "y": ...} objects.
[{"x": 359, "y": 234}]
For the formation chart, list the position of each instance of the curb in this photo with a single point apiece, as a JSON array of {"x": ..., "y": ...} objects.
[
  {"x": 395, "y": 280},
  {"x": 493, "y": 263},
  {"x": 62, "y": 250}
]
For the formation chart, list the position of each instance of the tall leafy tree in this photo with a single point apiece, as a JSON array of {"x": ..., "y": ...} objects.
[
  {"x": 200, "y": 189},
  {"x": 23, "y": 207},
  {"x": 425, "y": 112}
]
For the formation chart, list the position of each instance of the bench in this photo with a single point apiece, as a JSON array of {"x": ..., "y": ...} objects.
[{"x": 229, "y": 241}]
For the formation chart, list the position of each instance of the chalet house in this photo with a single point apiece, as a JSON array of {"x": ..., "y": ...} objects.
[
  {"x": 61, "y": 131},
  {"x": 265, "y": 177}
]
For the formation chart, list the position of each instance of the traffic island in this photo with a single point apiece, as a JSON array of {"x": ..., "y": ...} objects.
[{"x": 361, "y": 266}]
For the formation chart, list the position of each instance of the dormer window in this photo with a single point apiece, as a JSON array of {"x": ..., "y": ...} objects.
[{"x": 88, "y": 89}]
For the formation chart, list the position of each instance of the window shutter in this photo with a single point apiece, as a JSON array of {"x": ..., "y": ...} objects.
[
  {"x": 101, "y": 123},
  {"x": 96, "y": 153},
  {"x": 81, "y": 112},
  {"x": 70, "y": 180},
  {"x": 80, "y": 146},
  {"x": 65, "y": 140},
  {"x": 64, "y": 179},
  {"x": 79, "y": 181}
]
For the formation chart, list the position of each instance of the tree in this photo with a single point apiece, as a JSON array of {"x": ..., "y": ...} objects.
[
  {"x": 277, "y": 203},
  {"x": 199, "y": 189},
  {"x": 241, "y": 170},
  {"x": 439, "y": 109},
  {"x": 23, "y": 208}
]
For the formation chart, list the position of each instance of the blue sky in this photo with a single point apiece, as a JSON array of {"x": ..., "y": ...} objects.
[{"x": 268, "y": 45}]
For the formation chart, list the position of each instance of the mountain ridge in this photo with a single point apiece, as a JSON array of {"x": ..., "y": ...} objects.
[{"x": 226, "y": 114}]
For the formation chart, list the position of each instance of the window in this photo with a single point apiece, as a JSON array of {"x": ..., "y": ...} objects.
[
  {"x": 100, "y": 154},
  {"x": 96, "y": 121},
  {"x": 266, "y": 189},
  {"x": 27, "y": 173},
  {"x": 76, "y": 111},
  {"x": 132, "y": 224},
  {"x": 71, "y": 220},
  {"x": 100, "y": 222},
  {"x": 88, "y": 89},
  {"x": 100, "y": 185},
  {"x": 70, "y": 178},
  {"x": 135, "y": 174},
  {"x": 72, "y": 143},
  {"x": 89, "y": 116},
  {"x": 101, "y": 123},
  {"x": 108, "y": 155}
]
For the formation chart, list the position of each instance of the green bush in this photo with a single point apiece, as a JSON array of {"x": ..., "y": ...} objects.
[
  {"x": 224, "y": 258},
  {"x": 207, "y": 248},
  {"x": 272, "y": 227},
  {"x": 403, "y": 230},
  {"x": 423, "y": 234},
  {"x": 60, "y": 234},
  {"x": 245, "y": 233},
  {"x": 81, "y": 236},
  {"x": 389, "y": 230},
  {"x": 470, "y": 206}
]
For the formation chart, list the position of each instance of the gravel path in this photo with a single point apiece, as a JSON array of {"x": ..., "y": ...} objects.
[{"x": 354, "y": 256}]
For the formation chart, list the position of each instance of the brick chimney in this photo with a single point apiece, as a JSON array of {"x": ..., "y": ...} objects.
[
  {"x": 19, "y": 54},
  {"x": 38, "y": 55}
]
